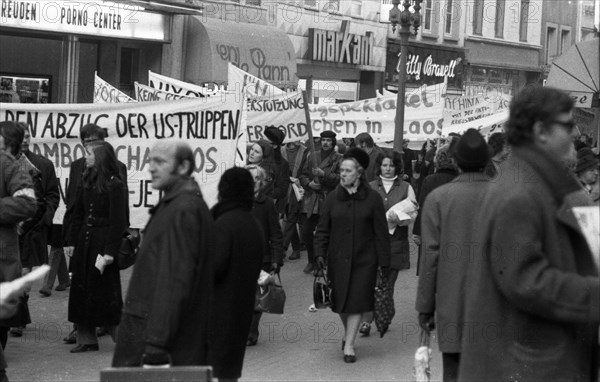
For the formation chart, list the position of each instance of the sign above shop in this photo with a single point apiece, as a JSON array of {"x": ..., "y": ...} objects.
[
  {"x": 426, "y": 65},
  {"x": 342, "y": 47},
  {"x": 98, "y": 18}
]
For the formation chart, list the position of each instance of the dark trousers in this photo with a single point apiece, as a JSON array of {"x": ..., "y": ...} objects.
[
  {"x": 451, "y": 361},
  {"x": 309, "y": 224},
  {"x": 58, "y": 267},
  {"x": 290, "y": 231}
]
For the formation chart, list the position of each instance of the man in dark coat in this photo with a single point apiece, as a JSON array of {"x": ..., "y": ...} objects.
[
  {"x": 295, "y": 153},
  {"x": 167, "y": 309},
  {"x": 276, "y": 137},
  {"x": 317, "y": 182},
  {"x": 17, "y": 203},
  {"x": 240, "y": 247},
  {"x": 365, "y": 142},
  {"x": 448, "y": 231},
  {"x": 534, "y": 307}
]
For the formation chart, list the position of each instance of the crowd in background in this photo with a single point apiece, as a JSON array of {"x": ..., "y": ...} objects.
[{"x": 499, "y": 244}]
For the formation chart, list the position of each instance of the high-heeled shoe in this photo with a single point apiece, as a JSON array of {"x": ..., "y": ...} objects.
[
  {"x": 349, "y": 358},
  {"x": 83, "y": 348}
]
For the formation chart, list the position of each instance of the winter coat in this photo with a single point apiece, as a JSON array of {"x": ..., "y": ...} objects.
[
  {"x": 430, "y": 183},
  {"x": 293, "y": 204},
  {"x": 98, "y": 222},
  {"x": 371, "y": 170},
  {"x": 75, "y": 178},
  {"x": 448, "y": 236},
  {"x": 352, "y": 236},
  {"x": 313, "y": 199},
  {"x": 265, "y": 212},
  {"x": 400, "y": 251},
  {"x": 168, "y": 303},
  {"x": 240, "y": 246},
  {"x": 535, "y": 304}
]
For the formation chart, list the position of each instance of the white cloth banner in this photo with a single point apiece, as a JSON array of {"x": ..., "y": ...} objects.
[
  {"x": 145, "y": 93},
  {"x": 486, "y": 114},
  {"x": 106, "y": 93},
  {"x": 237, "y": 80},
  {"x": 211, "y": 126},
  {"x": 172, "y": 85},
  {"x": 286, "y": 112}
]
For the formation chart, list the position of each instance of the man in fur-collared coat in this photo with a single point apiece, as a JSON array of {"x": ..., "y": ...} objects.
[{"x": 534, "y": 305}]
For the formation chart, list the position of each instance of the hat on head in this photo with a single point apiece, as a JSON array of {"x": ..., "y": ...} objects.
[
  {"x": 585, "y": 160},
  {"x": 275, "y": 135},
  {"x": 236, "y": 184},
  {"x": 360, "y": 155},
  {"x": 328, "y": 134},
  {"x": 471, "y": 151}
]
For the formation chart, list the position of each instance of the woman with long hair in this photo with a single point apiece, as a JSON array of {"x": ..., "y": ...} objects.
[
  {"x": 352, "y": 239},
  {"x": 99, "y": 220}
]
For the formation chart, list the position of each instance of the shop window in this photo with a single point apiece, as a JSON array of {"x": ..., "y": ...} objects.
[
  {"x": 129, "y": 70},
  {"x": 565, "y": 40},
  {"x": 25, "y": 88},
  {"x": 427, "y": 15},
  {"x": 524, "y": 20},
  {"x": 449, "y": 16},
  {"x": 500, "y": 18},
  {"x": 551, "y": 45},
  {"x": 478, "y": 17}
]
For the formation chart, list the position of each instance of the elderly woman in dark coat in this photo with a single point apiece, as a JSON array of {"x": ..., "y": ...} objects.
[
  {"x": 265, "y": 212},
  {"x": 99, "y": 220},
  {"x": 240, "y": 247},
  {"x": 352, "y": 237}
]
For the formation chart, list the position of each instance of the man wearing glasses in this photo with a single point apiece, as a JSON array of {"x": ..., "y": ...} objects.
[
  {"x": 533, "y": 301},
  {"x": 90, "y": 134}
]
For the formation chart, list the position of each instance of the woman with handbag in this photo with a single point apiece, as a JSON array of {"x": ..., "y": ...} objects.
[
  {"x": 265, "y": 212},
  {"x": 239, "y": 254},
  {"x": 352, "y": 238},
  {"x": 99, "y": 220}
]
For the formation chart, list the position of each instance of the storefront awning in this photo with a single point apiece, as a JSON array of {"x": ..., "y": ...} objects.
[{"x": 263, "y": 51}]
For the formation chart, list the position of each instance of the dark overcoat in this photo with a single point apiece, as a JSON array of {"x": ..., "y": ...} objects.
[
  {"x": 99, "y": 219},
  {"x": 352, "y": 235},
  {"x": 265, "y": 212},
  {"x": 535, "y": 304},
  {"x": 240, "y": 245},
  {"x": 448, "y": 244},
  {"x": 168, "y": 302},
  {"x": 330, "y": 164}
]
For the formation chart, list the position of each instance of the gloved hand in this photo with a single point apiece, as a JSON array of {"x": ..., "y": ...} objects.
[
  {"x": 427, "y": 321},
  {"x": 154, "y": 356},
  {"x": 275, "y": 268},
  {"x": 320, "y": 263}
]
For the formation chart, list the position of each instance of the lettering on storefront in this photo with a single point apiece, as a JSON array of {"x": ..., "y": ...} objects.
[
  {"x": 415, "y": 66},
  {"x": 258, "y": 64},
  {"x": 343, "y": 47}
]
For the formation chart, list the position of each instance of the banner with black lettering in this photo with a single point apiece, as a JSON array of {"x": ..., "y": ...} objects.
[
  {"x": 145, "y": 93},
  {"x": 106, "y": 93},
  {"x": 175, "y": 86},
  {"x": 484, "y": 113},
  {"x": 210, "y": 125},
  {"x": 238, "y": 79},
  {"x": 286, "y": 112}
]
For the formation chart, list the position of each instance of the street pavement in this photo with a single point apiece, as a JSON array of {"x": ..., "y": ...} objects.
[{"x": 297, "y": 346}]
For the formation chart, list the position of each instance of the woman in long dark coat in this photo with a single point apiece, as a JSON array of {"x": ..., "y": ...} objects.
[
  {"x": 99, "y": 220},
  {"x": 239, "y": 250},
  {"x": 352, "y": 237},
  {"x": 265, "y": 213}
]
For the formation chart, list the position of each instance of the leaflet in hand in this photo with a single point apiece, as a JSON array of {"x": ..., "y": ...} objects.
[{"x": 100, "y": 263}]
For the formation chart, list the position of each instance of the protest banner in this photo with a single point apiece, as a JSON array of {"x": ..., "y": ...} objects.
[
  {"x": 172, "y": 85},
  {"x": 238, "y": 79},
  {"x": 211, "y": 127},
  {"x": 106, "y": 93},
  {"x": 145, "y": 93},
  {"x": 486, "y": 114}
]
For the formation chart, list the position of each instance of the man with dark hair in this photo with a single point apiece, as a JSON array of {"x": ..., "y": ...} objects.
[
  {"x": 317, "y": 182},
  {"x": 366, "y": 143},
  {"x": 499, "y": 151},
  {"x": 282, "y": 167},
  {"x": 535, "y": 281},
  {"x": 447, "y": 224},
  {"x": 167, "y": 309},
  {"x": 17, "y": 203},
  {"x": 89, "y": 135}
]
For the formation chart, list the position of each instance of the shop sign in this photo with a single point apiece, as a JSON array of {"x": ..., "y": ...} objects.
[
  {"x": 426, "y": 65},
  {"x": 98, "y": 18},
  {"x": 342, "y": 47}
]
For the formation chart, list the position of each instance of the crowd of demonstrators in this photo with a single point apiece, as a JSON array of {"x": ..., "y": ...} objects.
[
  {"x": 17, "y": 204},
  {"x": 265, "y": 213},
  {"x": 98, "y": 221},
  {"x": 240, "y": 249},
  {"x": 448, "y": 234},
  {"x": 317, "y": 182},
  {"x": 352, "y": 240},
  {"x": 365, "y": 142},
  {"x": 295, "y": 154}
]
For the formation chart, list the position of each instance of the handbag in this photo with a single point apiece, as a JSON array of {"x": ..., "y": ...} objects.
[
  {"x": 384, "y": 304},
  {"x": 321, "y": 291},
  {"x": 270, "y": 298},
  {"x": 128, "y": 251}
]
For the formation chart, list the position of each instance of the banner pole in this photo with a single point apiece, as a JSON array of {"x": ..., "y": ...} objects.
[{"x": 311, "y": 143}]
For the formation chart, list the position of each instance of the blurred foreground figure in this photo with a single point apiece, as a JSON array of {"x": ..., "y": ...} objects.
[
  {"x": 166, "y": 312},
  {"x": 533, "y": 308}
]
